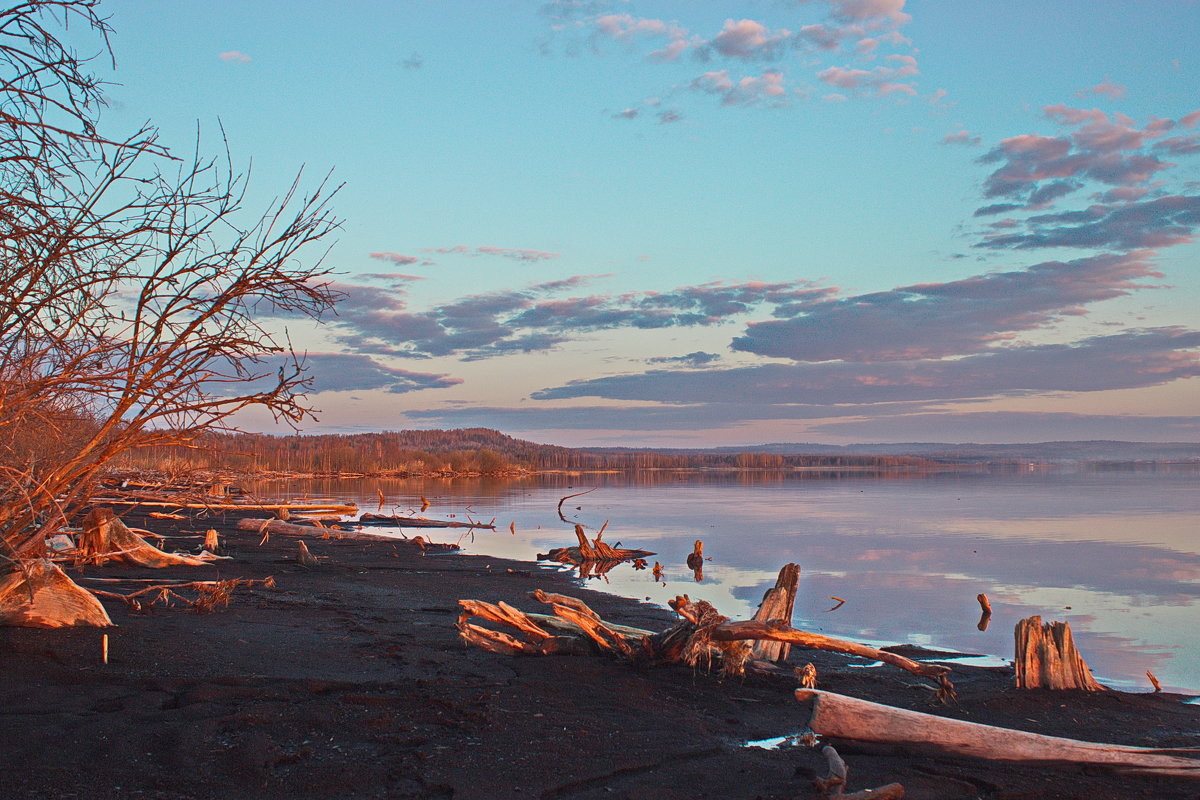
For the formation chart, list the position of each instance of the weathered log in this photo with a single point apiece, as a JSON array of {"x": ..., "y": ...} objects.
[
  {"x": 597, "y": 556},
  {"x": 844, "y": 717},
  {"x": 750, "y": 629},
  {"x": 336, "y": 508},
  {"x": 703, "y": 638},
  {"x": 106, "y": 538},
  {"x": 777, "y": 605},
  {"x": 1046, "y": 657},
  {"x": 37, "y": 594},
  {"x": 418, "y": 522},
  {"x": 268, "y": 526}
]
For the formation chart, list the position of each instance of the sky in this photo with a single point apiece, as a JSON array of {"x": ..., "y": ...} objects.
[{"x": 686, "y": 224}]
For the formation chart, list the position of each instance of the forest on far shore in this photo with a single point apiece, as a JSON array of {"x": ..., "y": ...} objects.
[{"x": 460, "y": 451}]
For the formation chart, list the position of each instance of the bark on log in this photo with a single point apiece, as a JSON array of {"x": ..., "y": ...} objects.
[
  {"x": 267, "y": 526},
  {"x": 336, "y": 508},
  {"x": 777, "y": 605},
  {"x": 40, "y": 595},
  {"x": 418, "y": 522},
  {"x": 844, "y": 717},
  {"x": 596, "y": 556},
  {"x": 106, "y": 538},
  {"x": 1046, "y": 657},
  {"x": 750, "y": 629}
]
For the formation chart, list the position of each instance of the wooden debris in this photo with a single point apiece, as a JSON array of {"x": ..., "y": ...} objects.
[
  {"x": 844, "y": 717},
  {"x": 305, "y": 558},
  {"x": 840, "y": 603},
  {"x": 1046, "y": 657},
  {"x": 165, "y": 515},
  {"x": 1154, "y": 681},
  {"x": 832, "y": 785},
  {"x": 777, "y": 605},
  {"x": 336, "y": 508},
  {"x": 212, "y": 542},
  {"x": 210, "y": 595},
  {"x": 269, "y": 526},
  {"x": 418, "y": 522},
  {"x": 807, "y": 675},
  {"x": 106, "y": 538},
  {"x": 597, "y": 555},
  {"x": 37, "y": 594},
  {"x": 703, "y": 638},
  {"x": 104, "y": 648},
  {"x": 986, "y": 612},
  {"x": 568, "y": 497}
]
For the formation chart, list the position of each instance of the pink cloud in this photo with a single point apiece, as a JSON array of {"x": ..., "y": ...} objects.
[
  {"x": 747, "y": 39},
  {"x": 871, "y": 11},
  {"x": 395, "y": 258},
  {"x": 235, "y": 57},
  {"x": 768, "y": 87},
  {"x": 1190, "y": 120},
  {"x": 1106, "y": 88},
  {"x": 882, "y": 80},
  {"x": 962, "y": 136}
]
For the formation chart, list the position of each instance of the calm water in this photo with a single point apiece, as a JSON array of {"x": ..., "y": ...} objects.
[{"x": 1115, "y": 554}]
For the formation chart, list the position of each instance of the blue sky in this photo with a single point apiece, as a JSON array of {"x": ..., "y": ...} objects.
[{"x": 695, "y": 223}]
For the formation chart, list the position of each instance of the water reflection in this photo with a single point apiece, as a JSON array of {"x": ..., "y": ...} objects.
[{"x": 1115, "y": 553}]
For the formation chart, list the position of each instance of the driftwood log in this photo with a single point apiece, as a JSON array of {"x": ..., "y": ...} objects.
[
  {"x": 598, "y": 555},
  {"x": 334, "y": 508},
  {"x": 37, "y": 594},
  {"x": 842, "y": 717},
  {"x": 420, "y": 522},
  {"x": 268, "y": 526},
  {"x": 1046, "y": 657},
  {"x": 702, "y": 638},
  {"x": 106, "y": 538}
]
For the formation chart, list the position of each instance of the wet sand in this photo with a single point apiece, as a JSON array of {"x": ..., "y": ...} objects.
[{"x": 349, "y": 680}]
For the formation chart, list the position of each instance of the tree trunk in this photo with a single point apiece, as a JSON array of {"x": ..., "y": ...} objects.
[
  {"x": 777, "y": 604},
  {"x": 844, "y": 717},
  {"x": 1046, "y": 657}
]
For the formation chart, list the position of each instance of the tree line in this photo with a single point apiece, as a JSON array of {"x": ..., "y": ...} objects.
[{"x": 457, "y": 451}]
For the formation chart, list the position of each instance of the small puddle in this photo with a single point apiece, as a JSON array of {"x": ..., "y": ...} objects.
[{"x": 780, "y": 742}]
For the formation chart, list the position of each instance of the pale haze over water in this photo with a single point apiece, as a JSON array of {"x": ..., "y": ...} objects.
[{"x": 1117, "y": 554}]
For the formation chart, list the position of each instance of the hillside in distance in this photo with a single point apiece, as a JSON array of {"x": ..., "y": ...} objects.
[{"x": 488, "y": 451}]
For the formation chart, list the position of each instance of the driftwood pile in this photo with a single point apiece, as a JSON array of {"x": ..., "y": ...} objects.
[
  {"x": 703, "y": 637},
  {"x": 595, "y": 557}
]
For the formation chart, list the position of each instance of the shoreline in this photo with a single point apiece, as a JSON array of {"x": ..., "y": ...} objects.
[{"x": 349, "y": 680}]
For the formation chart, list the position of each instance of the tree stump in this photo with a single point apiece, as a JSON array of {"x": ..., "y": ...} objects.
[
  {"x": 1046, "y": 657},
  {"x": 778, "y": 604},
  {"x": 106, "y": 538},
  {"x": 40, "y": 595}
]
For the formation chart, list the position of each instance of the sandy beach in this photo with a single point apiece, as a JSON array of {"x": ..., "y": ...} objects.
[{"x": 350, "y": 680}]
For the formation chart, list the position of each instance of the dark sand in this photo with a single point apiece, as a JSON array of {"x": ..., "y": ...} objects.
[{"x": 349, "y": 681}]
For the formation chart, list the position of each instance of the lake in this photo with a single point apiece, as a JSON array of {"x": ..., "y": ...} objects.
[{"x": 1116, "y": 553}]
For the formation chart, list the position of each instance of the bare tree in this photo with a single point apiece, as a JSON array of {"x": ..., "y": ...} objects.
[{"x": 132, "y": 284}]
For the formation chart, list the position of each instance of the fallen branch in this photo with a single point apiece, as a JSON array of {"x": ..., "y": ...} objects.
[
  {"x": 844, "y": 717},
  {"x": 703, "y": 637},
  {"x": 269, "y": 526},
  {"x": 210, "y": 595},
  {"x": 568, "y": 497}
]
